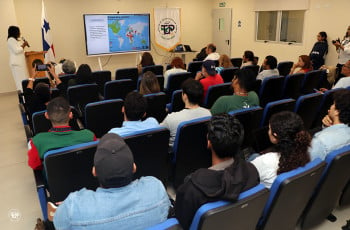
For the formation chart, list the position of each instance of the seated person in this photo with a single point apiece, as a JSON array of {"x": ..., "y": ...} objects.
[
  {"x": 83, "y": 76},
  {"x": 211, "y": 53},
  {"x": 134, "y": 109},
  {"x": 228, "y": 176},
  {"x": 248, "y": 58},
  {"x": 149, "y": 83},
  {"x": 146, "y": 60},
  {"x": 224, "y": 62},
  {"x": 270, "y": 68},
  {"x": 291, "y": 142},
  {"x": 303, "y": 65},
  {"x": 60, "y": 135},
  {"x": 192, "y": 92},
  {"x": 201, "y": 55},
  {"x": 208, "y": 76},
  {"x": 344, "y": 82},
  {"x": 68, "y": 67},
  {"x": 243, "y": 94},
  {"x": 177, "y": 66},
  {"x": 336, "y": 133},
  {"x": 120, "y": 202}
]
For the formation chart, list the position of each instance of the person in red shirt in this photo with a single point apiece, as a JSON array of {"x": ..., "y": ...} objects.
[{"x": 208, "y": 76}]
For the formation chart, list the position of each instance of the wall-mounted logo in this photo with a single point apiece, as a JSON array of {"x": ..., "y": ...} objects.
[{"x": 167, "y": 28}]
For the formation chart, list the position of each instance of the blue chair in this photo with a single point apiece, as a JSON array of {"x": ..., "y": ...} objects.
[
  {"x": 66, "y": 77},
  {"x": 102, "y": 116},
  {"x": 194, "y": 67},
  {"x": 345, "y": 197},
  {"x": 190, "y": 148},
  {"x": 292, "y": 85},
  {"x": 254, "y": 68},
  {"x": 216, "y": 91},
  {"x": 311, "y": 81},
  {"x": 176, "y": 104},
  {"x": 156, "y": 69},
  {"x": 275, "y": 107},
  {"x": 236, "y": 62},
  {"x": 169, "y": 224},
  {"x": 330, "y": 187},
  {"x": 150, "y": 150},
  {"x": 242, "y": 214},
  {"x": 289, "y": 195},
  {"x": 118, "y": 89},
  {"x": 284, "y": 67},
  {"x": 128, "y": 73},
  {"x": 271, "y": 89},
  {"x": 156, "y": 105},
  {"x": 175, "y": 81},
  {"x": 307, "y": 107},
  {"x": 228, "y": 73},
  {"x": 101, "y": 77}
]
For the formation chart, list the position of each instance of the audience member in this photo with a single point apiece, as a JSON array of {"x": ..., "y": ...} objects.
[
  {"x": 68, "y": 67},
  {"x": 146, "y": 60},
  {"x": 60, "y": 135},
  {"x": 248, "y": 58},
  {"x": 243, "y": 94},
  {"x": 269, "y": 68},
  {"x": 343, "y": 50},
  {"x": 302, "y": 66},
  {"x": 208, "y": 76},
  {"x": 120, "y": 202},
  {"x": 83, "y": 76},
  {"x": 228, "y": 176},
  {"x": 336, "y": 133},
  {"x": 201, "y": 55},
  {"x": 291, "y": 142},
  {"x": 134, "y": 109},
  {"x": 192, "y": 93},
  {"x": 177, "y": 66},
  {"x": 224, "y": 62},
  {"x": 149, "y": 83},
  {"x": 211, "y": 53},
  {"x": 343, "y": 82},
  {"x": 319, "y": 51}
]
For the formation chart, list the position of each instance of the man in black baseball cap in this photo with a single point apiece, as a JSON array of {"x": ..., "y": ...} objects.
[{"x": 120, "y": 202}]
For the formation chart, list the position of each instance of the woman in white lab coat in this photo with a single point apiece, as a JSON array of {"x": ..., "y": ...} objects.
[{"x": 17, "y": 60}]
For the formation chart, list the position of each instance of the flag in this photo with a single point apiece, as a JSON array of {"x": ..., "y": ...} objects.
[
  {"x": 46, "y": 36},
  {"x": 167, "y": 27}
]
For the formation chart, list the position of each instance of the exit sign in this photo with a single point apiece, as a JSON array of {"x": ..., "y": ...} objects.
[{"x": 222, "y": 4}]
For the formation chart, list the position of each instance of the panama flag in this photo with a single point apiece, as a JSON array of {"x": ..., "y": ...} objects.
[{"x": 46, "y": 36}]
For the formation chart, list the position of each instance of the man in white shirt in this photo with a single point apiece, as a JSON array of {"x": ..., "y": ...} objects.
[
  {"x": 211, "y": 51},
  {"x": 344, "y": 82},
  {"x": 270, "y": 68}
]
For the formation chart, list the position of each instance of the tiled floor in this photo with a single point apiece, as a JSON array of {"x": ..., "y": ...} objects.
[{"x": 18, "y": 194}]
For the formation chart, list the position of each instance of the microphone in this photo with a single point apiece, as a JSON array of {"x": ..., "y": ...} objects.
[{"x": 25, "y": 41}]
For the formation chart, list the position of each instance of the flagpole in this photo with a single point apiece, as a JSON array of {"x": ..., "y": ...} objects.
[{"x": 99, "y": 62}]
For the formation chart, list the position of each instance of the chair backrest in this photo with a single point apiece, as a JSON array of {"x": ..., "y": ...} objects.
[
  {"x": 228, "y": 73},
  {"x": 41, "y": 124},
  {"x": 325, "y": 198},
  {"x": 289, "y": 195},
  {"x": 69, "y": 169},
  {"x": 190, "y": 148},
  {"x": 37, "y": 80},
  {"x": 284, "y": 67},
  {"x": 275, "y": 107},
  {"x": 101, "y": 77},
  {"x": 242, "y": 214},
  {"x": 156, "y": 69},
  {"x": 169, "y": 224},
  {"x": 66, "y": 77},
  {"x": 176, "y": 104},
  {"x": 175, "y": 81},
  {"x": 194, "y": 67},
  {"x": 292, "y": 85},
  {"x": 307, "y": 107},
  {"x": 81, "y": 95},
  {"x": 118, "y": 89},
  {"x": 311, "y": 81},
  {"x": 345, "y": 197},
  {"x": 127, "y": 73},
  {"x": 216, "y": 91},
  {"x": 250, "y": 119},
  {"x": 254, "y": 68},
  {"x": 271, "y": 89},
  {"x": 102, "y": 116},
  {"x": 150, "y": 151},
  {"x": 156, "y": 105},
  {"x": 237, "y": 62}
]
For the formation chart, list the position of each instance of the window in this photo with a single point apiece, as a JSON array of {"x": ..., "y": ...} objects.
[{"x": 280, "y": 26}]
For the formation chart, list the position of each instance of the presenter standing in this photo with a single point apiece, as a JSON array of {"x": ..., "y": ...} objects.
[{"x": 17, "y": 60}]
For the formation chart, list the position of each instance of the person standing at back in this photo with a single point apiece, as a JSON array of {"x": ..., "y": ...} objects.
[{"x": 319, "y": 51}]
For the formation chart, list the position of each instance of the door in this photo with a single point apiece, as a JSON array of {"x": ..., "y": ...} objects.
[{"x": 222, "y": 24}]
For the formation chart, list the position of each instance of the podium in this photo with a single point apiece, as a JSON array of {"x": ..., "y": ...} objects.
[{"x": 31, "y": 56}]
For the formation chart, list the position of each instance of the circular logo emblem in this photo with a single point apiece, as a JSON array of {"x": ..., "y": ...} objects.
[
  {"x": 14, "y": 215},
  {"x": 167, "y": 28}
]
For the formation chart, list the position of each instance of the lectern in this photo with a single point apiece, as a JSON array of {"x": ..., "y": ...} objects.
[{"x": 31, "y": 56}]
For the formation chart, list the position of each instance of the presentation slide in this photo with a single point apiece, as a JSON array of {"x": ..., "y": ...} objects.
[{"x": 116, "y": 33}]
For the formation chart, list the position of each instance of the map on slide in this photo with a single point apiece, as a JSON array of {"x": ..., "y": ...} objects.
[{"x": 128, "y": 33}]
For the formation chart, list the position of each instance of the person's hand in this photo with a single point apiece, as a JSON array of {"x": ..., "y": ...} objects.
[
  {"x": 51, "y": 68},
  {"x": 327, "y": 121},
  {"x": 323, "y": 90},
  {"x": 34, "y": 72},
  {"x": 199, "y": 76},
  {"x": 24, "y": 44}
]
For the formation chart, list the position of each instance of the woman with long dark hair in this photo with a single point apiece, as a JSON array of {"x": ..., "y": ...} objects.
[
  {"x": 319, "y": 50},
  {"x": 17, "y": 61},
  {"x": 149, "y": 83},
  {"x": 146, "y": 60},
  {"x": 291, "y": 142}
]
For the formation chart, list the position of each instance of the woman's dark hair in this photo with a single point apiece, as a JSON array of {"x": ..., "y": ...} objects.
[
  {"x": 149, "y": 83},
  {"x": 293, "y": 140},
  {"x": 84, "y": 74},
  {"x": 13, "y": 32},
  {"x": 307, "y": 61},
  {"x": 146, "y": 59},
  {"x": 323, "y": 35},
  {"x": 177, "y": 62},
  {"x": 347, "y": 33},
  {"x": 342, "y": 104}
]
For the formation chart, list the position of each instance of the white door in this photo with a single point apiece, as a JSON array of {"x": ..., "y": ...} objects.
[{"x": 222, "y": 30}]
